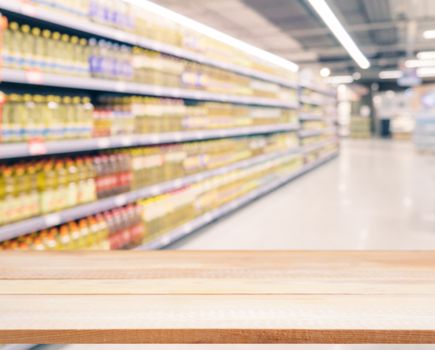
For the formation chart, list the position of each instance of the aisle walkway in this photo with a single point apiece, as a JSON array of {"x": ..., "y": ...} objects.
[{"x": 376, "y": 195}]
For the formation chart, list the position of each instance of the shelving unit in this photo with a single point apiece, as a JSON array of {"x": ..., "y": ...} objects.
[
  {"x": 180, "y": 232},
  {"x": 15, "y": 150},
  {"x": 86, "y": 26},
  {"x": 41, "y": 222},
  {"x": 24, "y": 79},
  {"x": 54, "y": 80},
  {"x": 324, "y": 120}
]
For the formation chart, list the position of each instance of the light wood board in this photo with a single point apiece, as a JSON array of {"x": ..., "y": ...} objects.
[{"x": 217, "y": 297}]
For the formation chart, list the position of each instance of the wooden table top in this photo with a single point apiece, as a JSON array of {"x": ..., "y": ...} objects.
[{"x": 217, "y": 297}]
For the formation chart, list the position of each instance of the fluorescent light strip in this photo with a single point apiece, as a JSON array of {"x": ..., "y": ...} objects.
[
  {"x": 429, "y": 34},
  {"x": 215, "y": 34},
  {"x": 325, "y": 12},
  {"x": 390, "y": 74},
  {"x": 426, "y": 55},
  {"x": 426, "y": 72},
  {"x": 325, "y": 72},
  {"x": 419, "y": 63},
  {"x": 340, "y": 79}
]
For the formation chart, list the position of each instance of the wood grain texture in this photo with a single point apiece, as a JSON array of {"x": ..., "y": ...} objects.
[{"x": 217, "y": 297}]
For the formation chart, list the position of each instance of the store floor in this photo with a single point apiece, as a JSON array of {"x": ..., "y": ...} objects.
[{"x": 376, "y": 195}]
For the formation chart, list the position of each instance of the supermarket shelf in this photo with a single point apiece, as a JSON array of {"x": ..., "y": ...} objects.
[
  {"x": 15, "y": 150},
  {"x": 314, "y": 87},
  {"x": 84, "y": 25},
  {"x": 318, "y": 145},
  {"x": 38, "y": 78},
  {"x": 42, "y": 222},
  {"x": 308, "y": 116},
  {"x": 220, "y": 212},
  {"x": 312, "y": 101},
  {"x": 315, "y": 132}
]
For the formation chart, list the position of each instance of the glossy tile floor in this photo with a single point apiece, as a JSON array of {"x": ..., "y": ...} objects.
[{"x": 375, "y": 195}]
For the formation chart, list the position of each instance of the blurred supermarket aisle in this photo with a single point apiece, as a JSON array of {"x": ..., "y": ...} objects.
[{"x": 377, "y": 195}]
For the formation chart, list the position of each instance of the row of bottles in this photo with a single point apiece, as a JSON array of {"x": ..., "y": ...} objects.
[
  {"x": 27, "y": 117},
  {"x": 33, "y": 48},
  {"x": 31, "y": 188},
  {"x": 121, "y": 228},
  {"x": 149, "y": 24},
  {"x": 131, "y": 225},
  {"x": 49, "y": 117}
]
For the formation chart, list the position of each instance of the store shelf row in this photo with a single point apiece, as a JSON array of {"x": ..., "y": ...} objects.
[
  {"x": 45, "y": 221},
  {"x": 310, "y": 116},
  {"x": 192, "y": 226},
  {"x": 35, "y": 148},
  {"x": 319, "y": 145},
  {"x": 312, "y": 101},
  {"x": 316, "y": 88},
  {"x": 83, "y": 25},
  {"x": 316, "y": 132},
  {"x": 54, "y": 80}
]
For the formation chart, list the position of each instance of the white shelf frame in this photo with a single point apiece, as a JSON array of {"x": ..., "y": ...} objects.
[
  {"x": 15, "y": 150},
  {"x": 55, "y": 80}
]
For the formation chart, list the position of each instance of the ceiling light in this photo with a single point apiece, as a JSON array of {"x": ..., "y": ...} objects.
[
  {"x": 390, "y": 74},
  {"x": 340, "y": 79},
  {"x": 325, "y": 12},
  {"x": 426, "y": 55},
  {"x": 356, "y": 75},
  {"x": 215, "y": 34},
  {"x": 419, "y": 63},
  {"x": 426, "y": 72},
  {"x": 325, "y": 72},
  {"x": 429, "y": 34}
]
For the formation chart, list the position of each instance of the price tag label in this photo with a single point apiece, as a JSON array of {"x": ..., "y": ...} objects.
[
  {"x": 120, "y": 200},
  {"x": 178, "y": 183},
  {"x": 127, "y": 141},
  {"x": 37, "y": 147},
  {"x": 157, "y": 90},
  {"x": 165, "y": 240},
  {"x": 103, "y": 143},
  {"x": 120, "y": 86},
  {"x": 155, "y": 138},
  {"x": 34, "y": 76},
  {"x": 155, "y": 190},
  {"x": 120, "y": 36},
  {"x": 28, "y": 9},
  {"x": 177, "y": 137},
  {"x": 199, "y": 135},
  {"x": 52, "y": 220},
  {"x": 188, "y": 228}
]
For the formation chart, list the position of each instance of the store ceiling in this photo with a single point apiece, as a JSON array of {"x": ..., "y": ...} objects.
[{"x": 385, "y": 30}]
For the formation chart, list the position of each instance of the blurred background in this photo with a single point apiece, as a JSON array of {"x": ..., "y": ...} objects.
[{"x": 231, "y": 124}]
